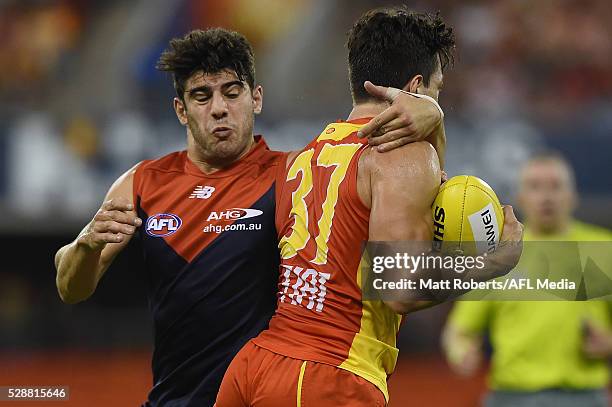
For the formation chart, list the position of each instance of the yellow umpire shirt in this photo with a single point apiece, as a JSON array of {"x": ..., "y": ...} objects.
[{"x": 538, "y": 344}]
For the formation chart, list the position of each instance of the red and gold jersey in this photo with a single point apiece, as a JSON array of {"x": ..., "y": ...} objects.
[{"x": 322, "y": 226}]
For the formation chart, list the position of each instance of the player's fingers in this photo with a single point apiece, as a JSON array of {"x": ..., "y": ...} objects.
[
  {"x": 109, "y": 237},
  {"x": 118, "y": 216},
  {"x": 119, "y": 204},
  {"x": 509, "y": 213},
  {"x": 392, "y": 145},
  {"x": 403, "y": 134},
  {"x": 377, "y": 122},
  {"x": 401, "y": 121},
  {"x": 382, "y": 92},
  {"x": 113, "y": 227},
  {"x": 513, "y": 229},
  {"x": 379, "y": 92}
]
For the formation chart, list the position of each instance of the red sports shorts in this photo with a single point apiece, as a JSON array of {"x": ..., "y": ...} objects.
[{"x": 258, "y": 377}]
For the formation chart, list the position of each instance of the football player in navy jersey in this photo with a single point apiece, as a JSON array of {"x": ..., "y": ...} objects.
[{"x": 206, "y": 216}]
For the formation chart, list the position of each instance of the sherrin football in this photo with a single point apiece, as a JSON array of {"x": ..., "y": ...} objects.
[{"x": 467, "y": 216}]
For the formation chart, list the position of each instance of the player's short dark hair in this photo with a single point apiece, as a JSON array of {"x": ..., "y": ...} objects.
[
  {"x": 211, "y": 51},
  {"x": 390, "y": 45}
]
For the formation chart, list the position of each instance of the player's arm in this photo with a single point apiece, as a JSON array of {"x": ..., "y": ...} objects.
[
  {"x": 409, "y": 118},
  {"x": 81, "y": 264},
  {"x": 403, "y": 184}
]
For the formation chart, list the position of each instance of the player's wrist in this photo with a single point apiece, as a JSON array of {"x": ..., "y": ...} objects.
[{"x": 87, "y": 245}]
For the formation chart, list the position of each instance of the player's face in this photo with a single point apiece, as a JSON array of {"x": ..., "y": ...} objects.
[
  {"x": 436, "y": 81},
  {"x": 218, "y": 110},
  {"x": 546, "y": 194},
  {"x": 435, "y": 84}
]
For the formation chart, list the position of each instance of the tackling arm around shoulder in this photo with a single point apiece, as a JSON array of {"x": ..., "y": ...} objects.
[
  {"x": 81, "y": 264},
  {"x": 409, "y": 118}
]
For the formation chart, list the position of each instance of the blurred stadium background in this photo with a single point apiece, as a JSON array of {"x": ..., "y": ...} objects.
[{"x": 81, "y": 102}]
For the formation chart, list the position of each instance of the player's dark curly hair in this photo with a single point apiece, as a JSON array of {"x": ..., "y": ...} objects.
[
  {"x": 391, "y": 45},
  {"x": 210, "y": 51}
]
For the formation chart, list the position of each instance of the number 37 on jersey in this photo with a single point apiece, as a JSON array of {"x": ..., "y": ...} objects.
[{"x": 319, "y": 190}]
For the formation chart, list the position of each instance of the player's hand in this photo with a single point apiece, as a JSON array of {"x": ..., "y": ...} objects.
[
  {"x": 513, "y": 229},
  {"x": 112, "y": 223},
  {"x": 407, "y": 120},
  {"x": 510, "y": 247},
  {"x": 443, "y": 177}
]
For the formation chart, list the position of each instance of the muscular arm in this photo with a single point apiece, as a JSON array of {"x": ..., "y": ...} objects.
[
  {"x": 403, "y": 184},
  {"x": 438, "y": 140},
  {"x": 408, "y": 119},
  {"x": 81, "y": 264},
  {"x": 400, "y": 187}
]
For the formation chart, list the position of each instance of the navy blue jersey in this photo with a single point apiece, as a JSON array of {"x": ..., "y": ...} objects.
[{"x": 210, "y": 254}]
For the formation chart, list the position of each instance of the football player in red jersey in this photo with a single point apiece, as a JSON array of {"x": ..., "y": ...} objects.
[
  {"x": 326, "y": 345},
  {"x": 206, "y": 218}
]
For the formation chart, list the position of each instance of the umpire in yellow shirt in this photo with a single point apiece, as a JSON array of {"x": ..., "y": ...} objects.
[{"x": 545, "y": 353}]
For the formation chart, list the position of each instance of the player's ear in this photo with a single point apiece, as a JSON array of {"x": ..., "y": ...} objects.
[
  {"x": 257, "y": 99},
  {"x": 181, "y": 111},
  {"x": 415, "y": 84}
]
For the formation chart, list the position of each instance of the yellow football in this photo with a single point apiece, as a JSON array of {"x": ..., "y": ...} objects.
[{"x": 467, "y": 216}]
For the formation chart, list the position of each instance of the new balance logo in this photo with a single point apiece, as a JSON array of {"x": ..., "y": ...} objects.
[{"x": 202, "y": 192}]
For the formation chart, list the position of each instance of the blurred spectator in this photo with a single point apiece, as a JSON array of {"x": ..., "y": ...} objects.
[
  {"x": 525, "y": 74},
  {"x": 35, "y": 39},
  {"x": 545, "y": 353}
]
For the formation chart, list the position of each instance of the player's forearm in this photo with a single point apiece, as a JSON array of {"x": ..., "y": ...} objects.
[
  {"x": 438, "y": 140},
  {"x": 497, "y": 264},
  {"x": 78, "y": 267},
  {"x": 409, "y": 300},
  {"x": 494, "y": 265},
  {"x": 421, "y": 296}
]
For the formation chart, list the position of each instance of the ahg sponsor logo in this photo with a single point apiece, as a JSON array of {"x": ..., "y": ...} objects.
[{"x": 234, "y": 214}]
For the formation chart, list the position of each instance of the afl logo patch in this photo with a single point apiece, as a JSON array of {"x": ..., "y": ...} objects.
[{"x": 163, "y": 224}]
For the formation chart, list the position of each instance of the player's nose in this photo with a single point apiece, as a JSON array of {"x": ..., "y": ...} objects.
[{"x": 218, "y": 107}]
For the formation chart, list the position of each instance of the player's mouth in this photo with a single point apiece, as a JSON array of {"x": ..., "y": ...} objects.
[{"x": 222, "y": 132}]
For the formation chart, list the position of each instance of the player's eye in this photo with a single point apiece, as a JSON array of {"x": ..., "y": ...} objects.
[
  {"x": 233, "y": 92},
  {"x": 201, "y": 97}
]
